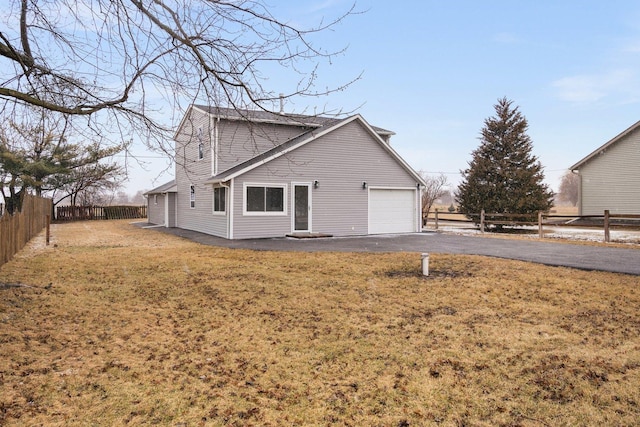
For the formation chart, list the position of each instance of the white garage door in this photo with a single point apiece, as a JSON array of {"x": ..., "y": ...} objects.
[{"x": 392, "y": 211}]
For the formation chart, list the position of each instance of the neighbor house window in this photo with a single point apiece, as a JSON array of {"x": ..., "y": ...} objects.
[
  {"x": 192, "y": 196},
  {"x": 219, "y": 199},
  {"x": 200, "y": 151},
  {"x": 265, "y": 199}
]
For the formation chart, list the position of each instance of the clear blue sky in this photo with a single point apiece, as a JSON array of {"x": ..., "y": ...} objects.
[{"x": 433, "y": 70}]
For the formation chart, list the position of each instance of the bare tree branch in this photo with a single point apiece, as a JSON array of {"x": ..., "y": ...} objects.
[
  {"x": 130, "y": 59},
  {"x": 437, "y": 186}
]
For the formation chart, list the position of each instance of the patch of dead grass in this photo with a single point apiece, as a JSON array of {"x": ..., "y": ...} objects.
[{"x": 128, "y": 326}]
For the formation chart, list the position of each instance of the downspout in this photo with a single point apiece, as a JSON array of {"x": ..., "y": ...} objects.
[
  {"x": 230, "y": 204},
  {"x": 166, "y": 210},
  {"x": 214, "y": 152},
  {"x": 419, "y": 207},
  {"x": 212, "y": 146}
]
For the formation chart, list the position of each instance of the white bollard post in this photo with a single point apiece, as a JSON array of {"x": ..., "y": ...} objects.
[{"x": 425, "y": 264}]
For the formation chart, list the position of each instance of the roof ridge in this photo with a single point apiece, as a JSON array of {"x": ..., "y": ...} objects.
[{"x": 265, "y": 116}]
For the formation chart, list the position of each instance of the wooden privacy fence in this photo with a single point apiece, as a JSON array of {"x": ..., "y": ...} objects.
[
  {"x": 17, "y": 229},
  {"x": 606, "y": 221},
  {"x": 77, "y": 213}
]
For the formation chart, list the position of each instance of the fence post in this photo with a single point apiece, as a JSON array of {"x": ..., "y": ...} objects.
[
  {"x": 48, "y": 228},
  {"x": 606, "y": 226},
  {"x": 540, "y": 233},
  {"x": 482, "y": 221},
  {"x": 436, "y": 220}
]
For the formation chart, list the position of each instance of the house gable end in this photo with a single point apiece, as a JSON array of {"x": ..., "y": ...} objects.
[
  {"x": 341, "y": 166},
  {"x": 610, "y": 176},
  {"x": 603, "y": 148},
  {"x": 306, "y": 138}
]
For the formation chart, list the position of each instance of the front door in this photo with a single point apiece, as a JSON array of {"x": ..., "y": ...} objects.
[{"x": 301, "y": 207}]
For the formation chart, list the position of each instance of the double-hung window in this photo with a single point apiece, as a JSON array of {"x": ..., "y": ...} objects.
[
  {"x": 265, "y": 199},
  {"x": 219, "y": 199}
]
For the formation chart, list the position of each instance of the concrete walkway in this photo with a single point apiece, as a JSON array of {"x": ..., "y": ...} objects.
[{"x": 585, "y": 257}]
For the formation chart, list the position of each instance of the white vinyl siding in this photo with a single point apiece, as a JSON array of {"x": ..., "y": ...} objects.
[
  {"x": 239, "y": 142},
  {"x": 170, "y": 209},
  {"x": 340, "y": 161},
  {"x": 156, "y": 209},
  {"x": 190, "y": 170},
  {"x": 611, "y": 180}
]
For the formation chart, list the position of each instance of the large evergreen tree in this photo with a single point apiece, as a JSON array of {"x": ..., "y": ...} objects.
[{"x": 504, "y": 176}]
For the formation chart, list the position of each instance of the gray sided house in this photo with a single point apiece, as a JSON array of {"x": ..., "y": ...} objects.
[
  {"x": 252, "y": 174},
  {"x": 610, "y": 176}
]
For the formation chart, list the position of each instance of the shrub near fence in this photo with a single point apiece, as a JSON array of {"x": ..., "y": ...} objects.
[
  {"x": 77, "y": 213},
  {"x": 17, "y": 229}
]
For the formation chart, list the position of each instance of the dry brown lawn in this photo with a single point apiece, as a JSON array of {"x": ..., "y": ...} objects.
[{"x": 116, "y": 325}]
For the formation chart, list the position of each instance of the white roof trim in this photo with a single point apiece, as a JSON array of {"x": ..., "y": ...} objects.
[
  {"x": 184, "y": 119},
  {"x": 604, "y": 147}
]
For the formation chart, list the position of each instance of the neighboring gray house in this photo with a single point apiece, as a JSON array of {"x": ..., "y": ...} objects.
[
  {"x": 610, "y": 176},
  {"x": 253, "y": 174}
]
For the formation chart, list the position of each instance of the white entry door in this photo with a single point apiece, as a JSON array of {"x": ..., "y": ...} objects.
[{"x": 301, "y": 207}]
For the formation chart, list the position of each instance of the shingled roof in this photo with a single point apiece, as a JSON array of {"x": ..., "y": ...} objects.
[
  {"x": 168, "y": 187},
  {"x": 261, "y": 116}
]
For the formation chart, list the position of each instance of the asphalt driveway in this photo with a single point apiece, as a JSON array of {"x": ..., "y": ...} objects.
[{"x": 585, "y": 257}]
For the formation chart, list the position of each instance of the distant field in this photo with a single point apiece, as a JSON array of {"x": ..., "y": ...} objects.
[
  {"x": 564, "y": 210},
  {"x": 116, "y": 325}
]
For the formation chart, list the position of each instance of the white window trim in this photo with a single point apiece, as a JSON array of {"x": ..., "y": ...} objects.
[
  {"x": 226, "y": 201},
  {"x": 155, "y": 199},
  {"x": 272, "y": 185}
]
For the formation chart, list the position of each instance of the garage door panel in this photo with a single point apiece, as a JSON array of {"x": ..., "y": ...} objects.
[{"x": 392, "y": 211}]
